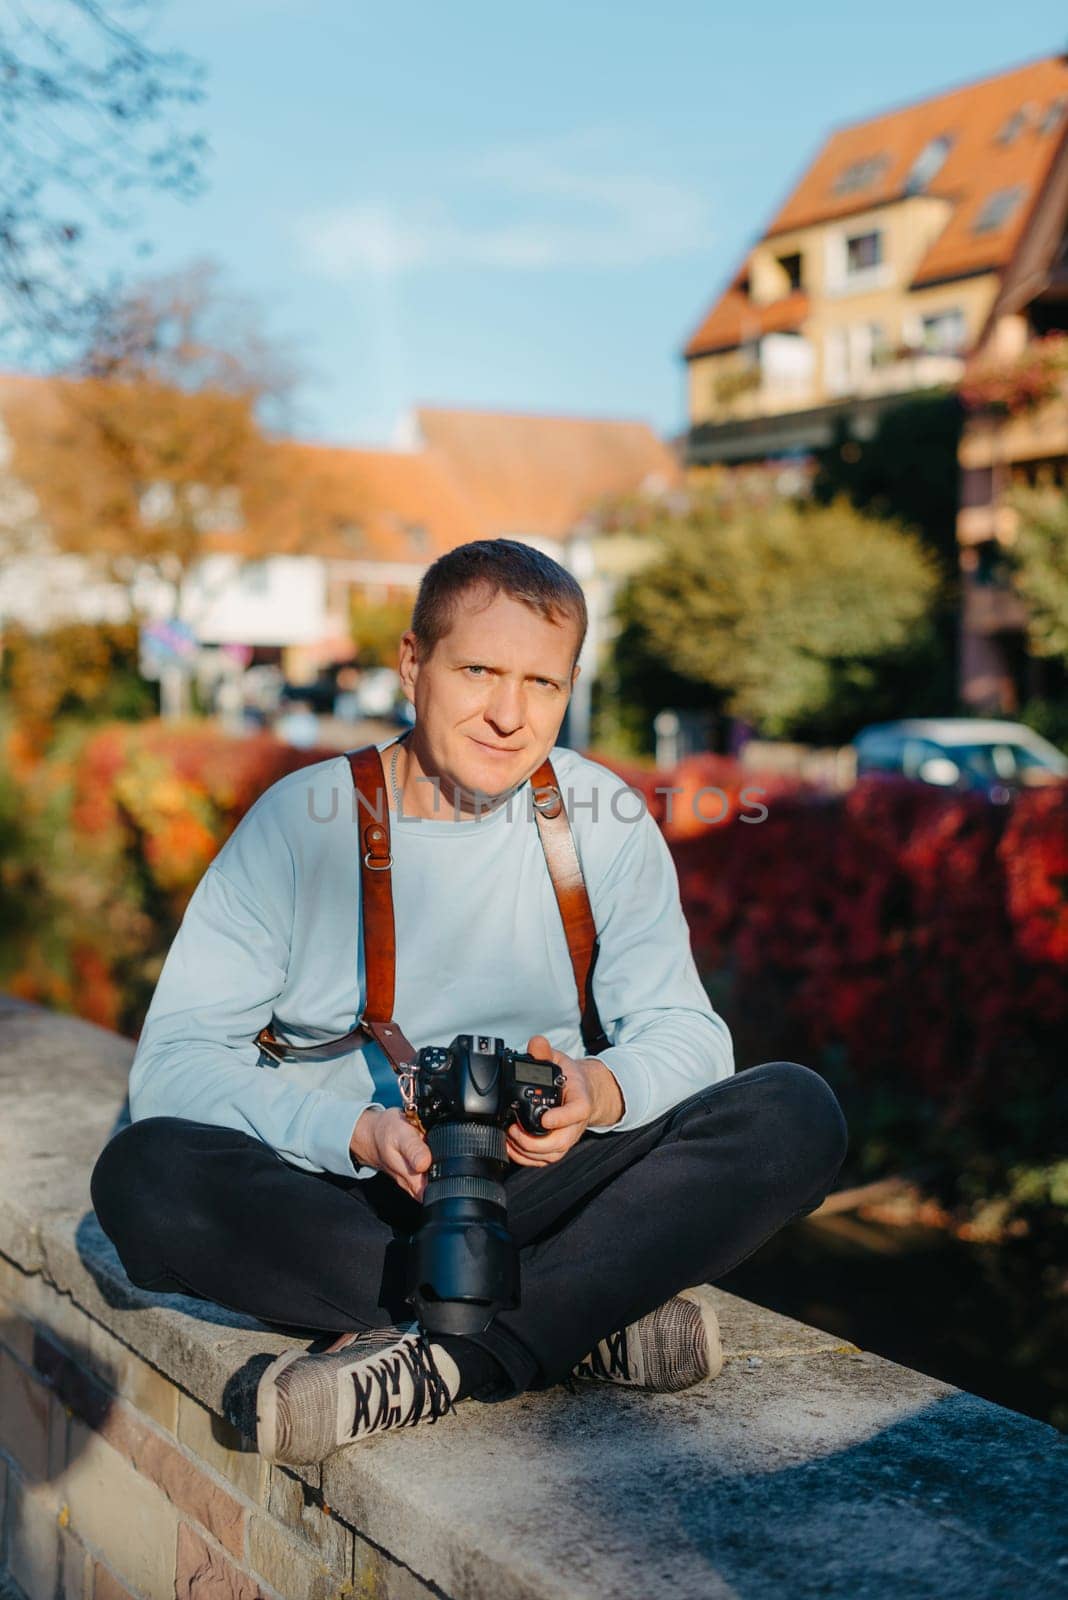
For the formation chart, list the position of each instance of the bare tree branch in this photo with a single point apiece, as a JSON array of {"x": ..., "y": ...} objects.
[{"x": 90, "y": 115}]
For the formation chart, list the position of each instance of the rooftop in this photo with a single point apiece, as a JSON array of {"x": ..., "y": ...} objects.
[{"x": 985, "y": 147}]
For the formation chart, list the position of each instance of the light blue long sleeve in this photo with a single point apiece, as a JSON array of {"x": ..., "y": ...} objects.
[{"x": 273, "y": 930}]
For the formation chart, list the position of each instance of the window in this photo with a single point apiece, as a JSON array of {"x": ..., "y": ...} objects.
[
  {"x": 916, "y": 752},
  {"x": 879, "y": 752},
  {"x": 1053, "y": 113},
  {"x": 878, "y": 345},
  {"x": 791, "y": 265},
  {"x": 254, "y": 577},
  {"x": 352, "y": 536},
  {"x": 863, "y": 252},
  {"x": 1012, "y": 127},
  {"x": 157, "y": 503},
  {"x": 992, "y": 566},
  {"x": 860, "y": 175},
  {"x": 836, "y": 361},
  {"x": 944, "y": 332},
  {"x": 928, "y": 163},
  {"x": 998, "y": 209}
]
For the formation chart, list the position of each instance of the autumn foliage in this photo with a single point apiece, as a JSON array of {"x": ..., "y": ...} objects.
[
  {"x": 119, "y": 824},
  {"x": 910, "y": 944}
]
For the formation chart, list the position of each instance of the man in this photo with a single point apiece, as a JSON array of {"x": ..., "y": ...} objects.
[{"x": 289, "y": 1191}]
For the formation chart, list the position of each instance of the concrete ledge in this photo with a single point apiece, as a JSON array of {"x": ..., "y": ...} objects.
[{"x": 807, "y": 1469}]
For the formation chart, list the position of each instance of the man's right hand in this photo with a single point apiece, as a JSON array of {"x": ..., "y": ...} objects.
[{"x": 386, "y": 1140}]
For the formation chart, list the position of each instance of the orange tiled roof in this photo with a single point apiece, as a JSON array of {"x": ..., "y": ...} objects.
[
  {"x": 980, "y": 163},
  {"x": 734, "y": 319},
  {"x": 382, "y": 505},
  {"x": 481, "y": 475},
  {"x": 537, "y": 476}
]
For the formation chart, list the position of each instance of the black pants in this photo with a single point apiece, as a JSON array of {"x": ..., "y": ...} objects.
[{"x": 612, "y": 1230}]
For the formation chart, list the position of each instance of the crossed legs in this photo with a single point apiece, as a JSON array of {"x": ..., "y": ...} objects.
[{"x": 617, "y": 1227}]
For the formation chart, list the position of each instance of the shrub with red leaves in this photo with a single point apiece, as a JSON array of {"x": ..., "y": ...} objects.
[{"x": 910, "y": 943}]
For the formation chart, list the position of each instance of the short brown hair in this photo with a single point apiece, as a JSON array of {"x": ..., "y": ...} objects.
[{"x": 498, "y": 566}]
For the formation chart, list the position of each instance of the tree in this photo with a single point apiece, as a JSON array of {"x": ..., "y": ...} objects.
[
  {"x": 90, "y": 114},
  {"x": 803, "y": 620},
  {"x": 906, "y": 472},
  {"x": 151, "y": 452},
  {"x": 1038, "y": 565},
  {"x": 376, "y": 627}
]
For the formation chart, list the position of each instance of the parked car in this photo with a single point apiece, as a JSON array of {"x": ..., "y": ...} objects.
[
  {"x": 992, "y": 757},
  {"x": 318, "y": 696},
  {"x": 375, "y": 694}
]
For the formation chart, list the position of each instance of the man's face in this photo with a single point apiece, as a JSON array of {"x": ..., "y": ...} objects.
[{"x": 491, "y": 696}]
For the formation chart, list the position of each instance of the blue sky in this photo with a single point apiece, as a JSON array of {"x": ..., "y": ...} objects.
[{"x": 524, "y": 207}]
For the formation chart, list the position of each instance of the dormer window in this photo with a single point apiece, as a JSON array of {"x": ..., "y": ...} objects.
[
  {"x": 928, "y": 163},
  {"x": 864, "y": 251},
  {"x": 1013, "y": 126},
  {"x": 860, "y": 175},
  {"x": 998, "y": 209},
  {"x": 791, "y": 266},
  {"x": 1054, "y": 112}
]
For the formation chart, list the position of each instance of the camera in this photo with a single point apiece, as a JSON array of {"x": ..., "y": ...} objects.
[{"x": 463, "y": 1265}]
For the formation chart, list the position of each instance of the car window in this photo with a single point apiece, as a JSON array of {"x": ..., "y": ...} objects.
[
  {"x": 916, "y": 752},
  {"x": 979, "y": 761},
  {"x": 1029, "y": 758},
  {"x": 879, "y": 752},
  {"x": 998, "y": 761}
]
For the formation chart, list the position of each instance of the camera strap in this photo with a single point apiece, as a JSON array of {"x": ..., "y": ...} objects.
[{"x": 379, "y": 931}]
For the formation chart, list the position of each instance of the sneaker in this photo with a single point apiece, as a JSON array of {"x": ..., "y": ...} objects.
[
  {"x": 308, "y": 1406},
  {"x": 675, "y": 1346}
]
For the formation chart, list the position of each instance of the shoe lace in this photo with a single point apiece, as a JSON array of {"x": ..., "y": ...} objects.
[
  {"x": 608, "y": 1358},
  {"x": 378, "y": 1388}
]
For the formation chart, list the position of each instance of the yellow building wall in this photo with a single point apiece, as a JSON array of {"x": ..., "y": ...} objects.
[{"x": 716, "y": 392}]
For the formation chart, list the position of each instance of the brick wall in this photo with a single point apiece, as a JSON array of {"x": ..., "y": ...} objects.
[{"x": 116, "y": 1483}]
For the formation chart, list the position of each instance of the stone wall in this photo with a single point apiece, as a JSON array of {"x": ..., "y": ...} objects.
[
  {"x": 116, "y": 1483},
  {"x": 808, "y": 1470}
]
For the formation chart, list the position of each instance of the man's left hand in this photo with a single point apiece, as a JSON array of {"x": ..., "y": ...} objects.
[{"x": 591, "y": 1097}]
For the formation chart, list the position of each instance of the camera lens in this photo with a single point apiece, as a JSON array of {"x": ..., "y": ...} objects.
[{"x": 463, "y": 1264}]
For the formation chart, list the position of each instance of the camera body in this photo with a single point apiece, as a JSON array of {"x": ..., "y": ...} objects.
[
  {"x": 477, "y": 1079},
  {"x": 463, "y": 1265}
]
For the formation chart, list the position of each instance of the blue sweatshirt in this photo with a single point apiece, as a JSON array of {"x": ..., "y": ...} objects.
[{"x": 274, "y": 930}]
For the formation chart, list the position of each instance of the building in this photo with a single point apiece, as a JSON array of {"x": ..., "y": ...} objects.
[
  {"x": 880, "y": 272},
  {"x": 1016, "y": 432},
  {"x": 378, "y": 519}
]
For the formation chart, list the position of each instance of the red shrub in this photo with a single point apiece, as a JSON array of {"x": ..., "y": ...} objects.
[{"x": 911, "y": 929}]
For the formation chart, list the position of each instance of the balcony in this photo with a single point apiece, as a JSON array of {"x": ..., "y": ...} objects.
[
  {"x": 990, "y": 608},
  {"x": 904, "y": 374},
  {"x": 1033, "y": 436}
]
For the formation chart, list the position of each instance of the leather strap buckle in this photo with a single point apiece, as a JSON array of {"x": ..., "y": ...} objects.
[
  {"x": 377, "y": 858},
  {"x": 546, "y": 799}
]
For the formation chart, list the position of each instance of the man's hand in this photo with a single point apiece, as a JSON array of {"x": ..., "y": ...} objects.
[
  {"x": 591, "y": 1098},
  {"x": 385, "y": 1139}
]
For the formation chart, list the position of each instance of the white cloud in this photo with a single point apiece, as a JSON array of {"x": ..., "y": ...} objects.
[{"x": 567, "y": 204}]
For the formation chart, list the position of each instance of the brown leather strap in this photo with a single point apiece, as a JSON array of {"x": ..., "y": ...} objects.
[
  {"x": 376, "y": 859},
  {"x": 329, "y": 1050},
  {"x": 569, "y": 886},
  {"x": 379, "y": 931},
  {"x": 376, "y": 912}
]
